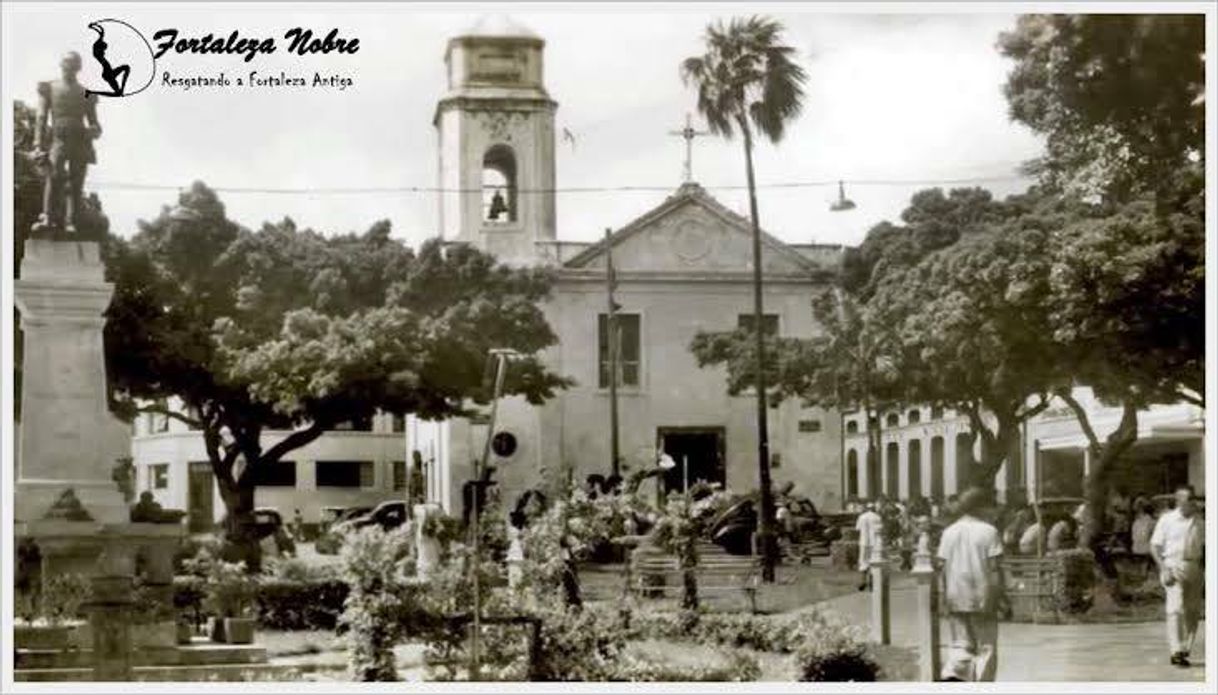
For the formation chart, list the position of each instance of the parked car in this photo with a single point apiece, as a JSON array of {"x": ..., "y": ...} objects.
[
  {"x": 388, "y": 515},
  {"x": 734, "y": 528}
]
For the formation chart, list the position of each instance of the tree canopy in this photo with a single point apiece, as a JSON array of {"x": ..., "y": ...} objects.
[
  {"x": 288, "y": 329},
  {"x": 1118, "y": 96}
]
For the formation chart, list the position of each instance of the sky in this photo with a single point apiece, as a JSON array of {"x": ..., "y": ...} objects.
[{"x": 894, "y": 103}]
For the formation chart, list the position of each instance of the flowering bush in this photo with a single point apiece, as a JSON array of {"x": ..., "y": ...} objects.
[
  {"x": 378, "y": 567},
  {"x": 679, "y": 529},
  {"x": 229, "y": 590}
]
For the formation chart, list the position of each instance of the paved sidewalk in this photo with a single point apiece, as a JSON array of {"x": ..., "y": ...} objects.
[{"x": 1027, "y": 652}]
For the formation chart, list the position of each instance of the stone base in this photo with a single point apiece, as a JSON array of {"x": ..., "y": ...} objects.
[{"x": 191, "y": 662}]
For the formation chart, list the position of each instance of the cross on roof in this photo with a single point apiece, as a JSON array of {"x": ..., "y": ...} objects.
[{"x": 688, "y": 134}]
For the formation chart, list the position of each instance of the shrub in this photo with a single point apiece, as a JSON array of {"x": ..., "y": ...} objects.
[
  {"x": 190, "y": 548},
  {"x": 579, "y": 645},
  {"x": 378, "y": 568},
  {"x": 62, "y": 596},
  {"x": 290, "y": 569},
  {"x": 300, "y": 605},
  {"x": 737, "y": 666},
  {"x": 844, "y": 554},
  {"x": 831, "y": 651},
  {"x": 1077, "y": 580}
]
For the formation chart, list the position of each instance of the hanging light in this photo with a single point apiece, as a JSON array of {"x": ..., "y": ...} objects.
[{"x": 842, "y": 203}]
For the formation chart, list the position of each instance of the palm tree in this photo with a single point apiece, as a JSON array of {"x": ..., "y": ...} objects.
[{"x": 748, "y": 80}]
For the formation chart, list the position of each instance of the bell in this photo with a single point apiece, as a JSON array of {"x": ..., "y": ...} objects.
[{"x": 498, "y": 206}]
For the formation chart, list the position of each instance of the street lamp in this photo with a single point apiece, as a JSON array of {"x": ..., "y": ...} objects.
[{"x": 500, "y": 357}]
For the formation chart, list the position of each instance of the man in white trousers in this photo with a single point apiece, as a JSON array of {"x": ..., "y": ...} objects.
[
  {"x": 1178, "y": 546},
  {"x": 971, "y": 550}
]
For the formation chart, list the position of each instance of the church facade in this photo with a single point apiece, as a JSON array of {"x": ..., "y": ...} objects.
[{"x": 683, "y": 267}]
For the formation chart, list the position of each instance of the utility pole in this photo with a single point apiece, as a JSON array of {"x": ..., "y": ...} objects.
[
  {"x": 612, "y": 335},
  {"x": 501, "y": 357}
]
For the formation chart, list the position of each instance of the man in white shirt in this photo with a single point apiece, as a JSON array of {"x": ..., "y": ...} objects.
[
  {"x": 971, "y": 550},
  {"x": 868, "y": 526},
  {"x": 1177, "y": 546}
]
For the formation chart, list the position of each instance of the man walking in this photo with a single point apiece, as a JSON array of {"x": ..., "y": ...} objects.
[
  {"x": 1177, "y": 545},
  {"x": 868, "y": 526},
  {"x": 970, "y": 550}
]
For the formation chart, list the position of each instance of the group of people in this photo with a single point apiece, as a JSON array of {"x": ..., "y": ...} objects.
[
  {"x": 971, "y": 548},
  {"x": 896, "y": 525}
]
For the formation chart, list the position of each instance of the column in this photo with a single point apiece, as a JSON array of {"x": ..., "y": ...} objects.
[
  {"x": 927, "y": 464},
  {"x": 881, "y": 617},
  {"x": 949, "y": 463},
  {"x": 928, "y": 615},
  {"x": 903, "y": 467}
]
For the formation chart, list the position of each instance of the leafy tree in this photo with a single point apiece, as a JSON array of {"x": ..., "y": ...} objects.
[
  {"x": 1127, "y": 298},
  {"x": 1121, "y": 101},
  {"x": 747, "y": 80},
  {"x": 848, "y": 366},
  {"x": 973, "y": 326},
  {"x": 932, "y": 221},
  {"x": 285, "y": 329},
  {"x": 1119, "y": 97}
]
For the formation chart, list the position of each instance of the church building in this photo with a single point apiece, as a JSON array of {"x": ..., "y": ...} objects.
[{"x": 683, "y": 267}]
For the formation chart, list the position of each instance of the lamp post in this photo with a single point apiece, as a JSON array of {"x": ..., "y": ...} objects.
[{"x": 501, "y": 356}]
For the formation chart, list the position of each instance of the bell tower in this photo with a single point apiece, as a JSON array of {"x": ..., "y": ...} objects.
[{"x": 496, "y": 152}]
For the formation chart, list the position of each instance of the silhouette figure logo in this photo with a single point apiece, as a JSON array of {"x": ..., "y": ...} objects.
[{"x": 122, "y": 60}]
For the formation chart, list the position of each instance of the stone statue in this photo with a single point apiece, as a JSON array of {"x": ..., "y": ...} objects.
[{"x": 63, "y": 142}]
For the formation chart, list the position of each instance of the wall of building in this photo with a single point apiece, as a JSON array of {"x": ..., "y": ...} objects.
[
  {"x": 675, "y": 392},
  {"x": 178, "y": 446},
  {"x": 1051, "y": 460}
]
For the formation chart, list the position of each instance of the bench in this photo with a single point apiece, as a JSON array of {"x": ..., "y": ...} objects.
[
  {"x": 717, "y": 572},
  {"x": 1032, "y": 586}
]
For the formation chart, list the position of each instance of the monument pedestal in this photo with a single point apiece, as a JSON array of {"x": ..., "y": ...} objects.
[{"x": 69, "y": 439}]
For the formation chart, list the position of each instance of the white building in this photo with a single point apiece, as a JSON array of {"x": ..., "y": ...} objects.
[
  {"x": 925, "y": 451},
  {"x": 361, "y": 466},
  {"x": 683, "y": 267}
]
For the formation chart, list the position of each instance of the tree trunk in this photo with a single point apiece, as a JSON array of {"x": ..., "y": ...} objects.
[
  {"x": 766, "y": 538},
  {"x": 1104, "y": 457},
  {"x": 239, "y": 533}
]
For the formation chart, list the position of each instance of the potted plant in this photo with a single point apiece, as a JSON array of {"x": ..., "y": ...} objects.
[
  {"x": 230, "y": 598},
  {"x": 152, "y": 620},
  {"x": 48, "y": 618}
]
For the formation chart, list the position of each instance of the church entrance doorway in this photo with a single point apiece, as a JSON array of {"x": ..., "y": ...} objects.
[{"x": 697, "y": 453}]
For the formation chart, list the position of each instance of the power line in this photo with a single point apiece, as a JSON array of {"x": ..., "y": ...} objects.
[{"x": 377, "y": 190}]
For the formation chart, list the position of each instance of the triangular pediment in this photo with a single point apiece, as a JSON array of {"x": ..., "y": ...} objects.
[{"x": 693, "y": 232}]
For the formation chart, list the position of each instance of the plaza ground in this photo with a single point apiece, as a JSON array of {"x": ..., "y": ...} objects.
[
  {"x": 1082, "y": 652},
  {"x": 1049, "y": 653}
]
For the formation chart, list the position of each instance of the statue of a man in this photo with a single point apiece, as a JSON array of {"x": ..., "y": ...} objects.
[{"x": 63, "y": 140}]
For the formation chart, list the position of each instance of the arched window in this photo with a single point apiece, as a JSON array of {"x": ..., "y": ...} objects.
[
  {"x": 936, "y": 412},
  {"x": 852, "y": 474},
  {"x": 893, "y": 420},
  {"x": 499, "y": 193},
  {"x": 852, "y": 427},
  {"x": 915, "y": 468},
  {"x": 892, "y": 473},
  {"x": 914, "y": 416}
]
